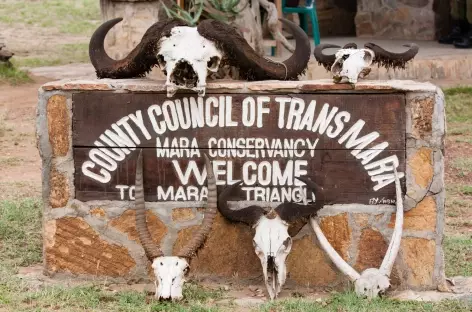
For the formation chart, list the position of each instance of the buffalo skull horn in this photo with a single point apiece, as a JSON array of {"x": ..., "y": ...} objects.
[
  {"x": 371, "y": 282},
  {"x": 271, "y": 241},
  {"x": 186, "y": 54},
  {"x": 170, "y": 271},
  {"x": 327, "y": 60},
  {"x": 389, "y": 59}
]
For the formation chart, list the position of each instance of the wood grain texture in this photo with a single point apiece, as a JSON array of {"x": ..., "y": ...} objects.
[
  {"x": 337, "y": 170},
  {"x": 94, "y": 112},
  {"x": 330, "y": 163}
]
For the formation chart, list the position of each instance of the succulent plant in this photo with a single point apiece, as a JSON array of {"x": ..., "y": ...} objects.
[{"x": 222, "y": 10}]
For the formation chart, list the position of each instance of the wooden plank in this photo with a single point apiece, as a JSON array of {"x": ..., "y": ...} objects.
[
  {"x": 344, "y": 177},
  {"x": 96, "y": 114}
]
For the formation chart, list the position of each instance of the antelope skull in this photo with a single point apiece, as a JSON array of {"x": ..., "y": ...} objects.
[
  {"x": 371, "y": 282},
  {"x": 353, "y": 63},
  {"x": 170, "y": 271},
  {"x": 186, "y": 54},
  {"x": 272, "y": 242}
]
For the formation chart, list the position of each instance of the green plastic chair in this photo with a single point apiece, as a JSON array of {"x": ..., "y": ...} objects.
[{"x": 302, "y": 13}]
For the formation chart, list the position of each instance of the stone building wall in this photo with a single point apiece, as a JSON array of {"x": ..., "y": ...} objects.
[
  {"x": 98, "y": 239},
  {"x": 396, "y": 19}
]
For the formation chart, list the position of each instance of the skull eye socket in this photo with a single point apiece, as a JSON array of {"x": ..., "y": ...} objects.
[
  {"x": 378, "y": 287},
  {"x": 213, "y": 63},
  {"x": 365, "y": 288}
]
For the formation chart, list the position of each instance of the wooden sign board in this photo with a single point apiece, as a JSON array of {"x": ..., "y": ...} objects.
[{"x": 346, "y": 142}]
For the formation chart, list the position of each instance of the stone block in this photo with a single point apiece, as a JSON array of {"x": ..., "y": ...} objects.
[
  {"x": 420, "y": 218},
  {"x": 126, "y": 223},
  {"x": 183, "y": 214},
  {"x": 58, "y": 124},
  {"x": 419, "y": 255},
  {"x": 98, "y": 212},
  {"x": 308, "y": 265},
  {"x": 421, "y": 165},
  {"x": 361, "y": 219},
  {"x": 422, "y": 110},
  {"x": 338, "y": 233},
  {"x": 227, "y": 252},
  {"x": 58, "y": 189},
  {"x": 371, "y": 250},
  {"x": 72, "y": 245}
]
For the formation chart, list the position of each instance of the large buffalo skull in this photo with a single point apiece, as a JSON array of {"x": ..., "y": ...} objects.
[
  {"x": 272, "y": 242},
  {"x": 371, "y": 282},
  {"x": 170, "y": 271},
  {"x": 186, "y": 54},
  {"x": 353, "y": 63}
]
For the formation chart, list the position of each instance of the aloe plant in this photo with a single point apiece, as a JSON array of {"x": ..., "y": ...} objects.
[{"x": 222, "y": 10}]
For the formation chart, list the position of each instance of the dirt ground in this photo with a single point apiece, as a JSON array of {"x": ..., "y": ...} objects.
[{"x": 20, "y": 164}]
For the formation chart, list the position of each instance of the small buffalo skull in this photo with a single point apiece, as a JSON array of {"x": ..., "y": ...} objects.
[
  {"x": 170, "y": 271},
  {"x": 353, "y": 63},
  {"x": 272, "y": 242},
  {"x": 371, "y": 282},
  {"x": 187, "y": 54}
]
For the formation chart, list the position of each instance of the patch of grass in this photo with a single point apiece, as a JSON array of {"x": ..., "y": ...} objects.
[
  {"x": 20, "y": 232},
  {"x": 463, "y": 164},
  {"x": 65, "y": 54},
  {"x": 12, "y": 75},
  {"x": 466, "y": 189},
  {"x": 458, "y": 255},
  {"x": 94, "y": 298},
  {"x": 459, "y": 104},
  {"x": 350, "y": 302},
  {"x": 67, "y": 16}
]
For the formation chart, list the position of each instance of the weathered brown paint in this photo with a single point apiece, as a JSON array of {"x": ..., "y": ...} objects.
[
  {"x": 94, "y": 112},
  {"x": 339, "y": 172},
  {"x": 332, "y": 166}
]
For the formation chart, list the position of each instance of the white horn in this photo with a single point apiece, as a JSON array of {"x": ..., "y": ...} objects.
[
  {"x": 389, "y": 260},
  {"x": 342, "y": 265}
]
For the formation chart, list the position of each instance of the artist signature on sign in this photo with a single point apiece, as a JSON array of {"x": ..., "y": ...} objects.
[{"x": 381, "y": 201}]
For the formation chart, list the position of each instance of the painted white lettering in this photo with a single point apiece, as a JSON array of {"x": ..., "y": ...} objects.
[
  {"x": 105, "y": 176},
  {"x": 154, "y": 111},
  {"x": 282, "y": 101},
  {"x": 184, "y": 117},
  {"x": 297, "y": 106},
  {"x": 138, "y": 120},
  {"x": 307, "y": 121},
  {"x": 382, "y": 166},
  {"x": 354, "y": 142},
  {"x": 211, "y": 121},
  {"x": 339, "y": 120},
  {"x": 229, "y": 111},
  {"x": 261, "y": 110},
  {"x": 249, "y": 111},
  {"x": 103, "y": 160},
  {"x": 124, "y": 122},
  {"x": 324, "y": 118}
]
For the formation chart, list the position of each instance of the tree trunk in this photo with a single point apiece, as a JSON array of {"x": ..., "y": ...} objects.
[{"x": 249, "y": 24}]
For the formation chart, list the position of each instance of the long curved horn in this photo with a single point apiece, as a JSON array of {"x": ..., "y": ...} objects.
[
  {"x": 342, "y": 265},
  {"x": 251, "y": 65},
  {"x": 151, "y": 249},
  {"x": 249, "y": 215},
  {"x": 198, "y": 238},
  {"x": 390, "y": 59},
  {"x": 290, "y": 212},
  {"x": 139, "y": 61},
  {"x": 327, "y": 60},
  {"x": 393, "y": 248}
]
